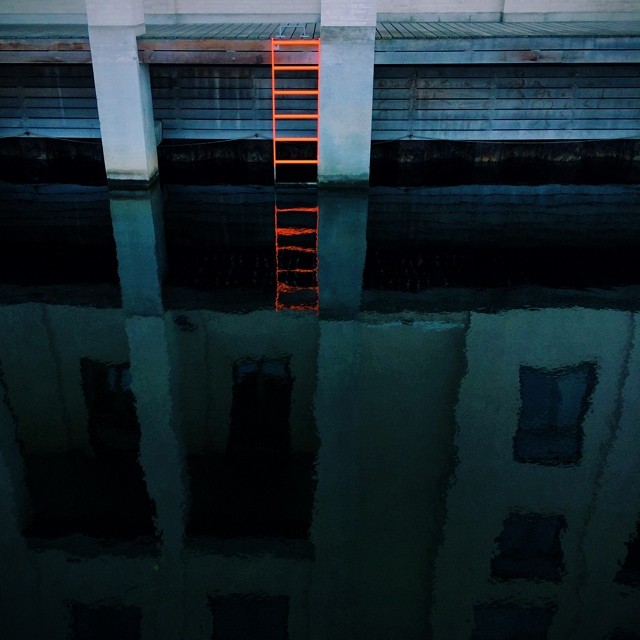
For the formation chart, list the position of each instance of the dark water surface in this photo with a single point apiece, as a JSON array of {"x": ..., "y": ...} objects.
[{"x": 403, "y": 414}]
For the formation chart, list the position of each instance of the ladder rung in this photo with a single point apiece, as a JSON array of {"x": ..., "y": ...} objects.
[
  {"x": 296, "y": 162},
  {"x": 298, "y": 249},
  {"x": 295, "y": 67},
  {"x": 297, "y": 270},
  {"x": 285, "y": 306},
  {"x": 295, "y": 92},
  {"x": 290, "y": 288},
  {"x": 296, "y": 209},
  {"x": 296, "y": 139},
  {"x": 295, "y": 116},
  {"x": 295, "y": 231}
]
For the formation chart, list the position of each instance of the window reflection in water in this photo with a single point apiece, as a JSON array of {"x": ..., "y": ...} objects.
[{"x": 410, "y": 461}]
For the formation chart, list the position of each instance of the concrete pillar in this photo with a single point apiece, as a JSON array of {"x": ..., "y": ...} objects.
[
  {"x": 137, "y": 223},
  {"x": 123, "y": 91},
  {"x": 161, "y": 457},
  {"x": 342, "y": 248},
  {"x": 346, "y": 91},
  {"x": 139, "y": 234},
  {"x": 334, "y": 531},
  {"x": 138, "y": 229}
]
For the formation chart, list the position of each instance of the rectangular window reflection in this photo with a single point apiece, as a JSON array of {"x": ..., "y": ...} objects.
[
  {"x": 260, "y": 409},
  {"x": 101, "y": 493},
  {"x": 250, "y": 617},
  {"x": 530, "y": 548},
  {"x": 105, "y": 623},
  {"x": 113, "y": 423},
  {"x": 554, "y": 403},
  {"x": 259, "y": 486},
  {"x": 511, "y": 622},
  {"x": 622, "y": 634}
]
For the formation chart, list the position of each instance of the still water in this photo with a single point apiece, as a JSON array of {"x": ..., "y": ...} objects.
[{"x": 234, "y": 414}]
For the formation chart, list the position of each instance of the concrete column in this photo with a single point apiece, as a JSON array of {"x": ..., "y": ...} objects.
[
  {"x": 123, "y": 90},
  {"x": 138, "y": 229},
  {"x": 346, "y": 91},
  {"x": 334, "y": 531},
  {"x": 161, "y": 457},
  {"x": 342, "y": 248}
]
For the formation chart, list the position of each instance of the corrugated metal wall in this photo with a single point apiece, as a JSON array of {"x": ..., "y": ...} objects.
[{"x": 506, "y": 102}]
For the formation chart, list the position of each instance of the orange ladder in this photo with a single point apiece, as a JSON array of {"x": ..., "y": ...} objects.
[
  {"x": 300, "y": 59},
  {"x": 297, "y": 258}
]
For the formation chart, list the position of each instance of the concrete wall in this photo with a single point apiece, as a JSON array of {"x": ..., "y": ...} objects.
[
  {"x": 483, "y": 10},
  {"x": 571, "y": 10},
  {"x": 43, "y": 11},
  {"x": 361, "y": 13},
  {"x": 507, "y": 10},
  {"x": 179, "y": 11},
  {"x": 169, "y": 11}
]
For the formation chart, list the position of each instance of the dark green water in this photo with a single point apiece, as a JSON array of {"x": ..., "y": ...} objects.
[{"x": 403, "y": 414}]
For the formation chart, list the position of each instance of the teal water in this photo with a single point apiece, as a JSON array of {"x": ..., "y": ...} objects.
[{"x": 402, "y": 413}]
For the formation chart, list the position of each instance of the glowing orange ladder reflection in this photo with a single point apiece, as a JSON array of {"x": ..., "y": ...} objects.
[
  {"x": 293, "y": 56},
  {"x": 297, "y": 258}
]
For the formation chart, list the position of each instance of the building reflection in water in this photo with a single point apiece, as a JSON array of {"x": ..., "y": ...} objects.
[{"x": 196, "y": 463}]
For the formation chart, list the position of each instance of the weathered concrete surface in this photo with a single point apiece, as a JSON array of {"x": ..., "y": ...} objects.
[
  {"x": 402, "y": 163},
  {"x": 140, "y": 245},
  {"x": 342, "y": 247},
  {"x": 346, "y": 104},
  {"x": 123, "y": 91}
]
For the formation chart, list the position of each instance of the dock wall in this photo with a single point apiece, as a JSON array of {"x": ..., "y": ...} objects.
[
  {"x": 444, "y": 102},
  {"x": 137, "y": 75}
]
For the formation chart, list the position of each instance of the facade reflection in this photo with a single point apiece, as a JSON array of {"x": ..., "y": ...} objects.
[{"x": 171, "y": 468}]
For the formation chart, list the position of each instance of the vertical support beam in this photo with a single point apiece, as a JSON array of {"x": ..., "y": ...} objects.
[
  {"x": 161, "y": 450},
  {"x": 346, "y": 91},
  {"x": 342, "y": 249},
  {"x": 140, "y": 245},
  {"x": 138, "y": 229},
  {"x": 335, "y": 587},
  {"x": 123, "y": 91}
]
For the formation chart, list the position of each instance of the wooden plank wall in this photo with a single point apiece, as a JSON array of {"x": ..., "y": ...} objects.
[
  {"x": 225, "y": 102},
  {"x": 56, "y": 100},
  {"x": 507, "y": 102},
  {"x": 452, "y": 102}
]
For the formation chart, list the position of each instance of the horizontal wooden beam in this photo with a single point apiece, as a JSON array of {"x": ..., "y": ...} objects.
[
  {"x": 44, "y": 51},
  {"x": 549, "y": 50},
  {"x": 202, "y": 44},
  {"x": 403, "y": 49}
]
